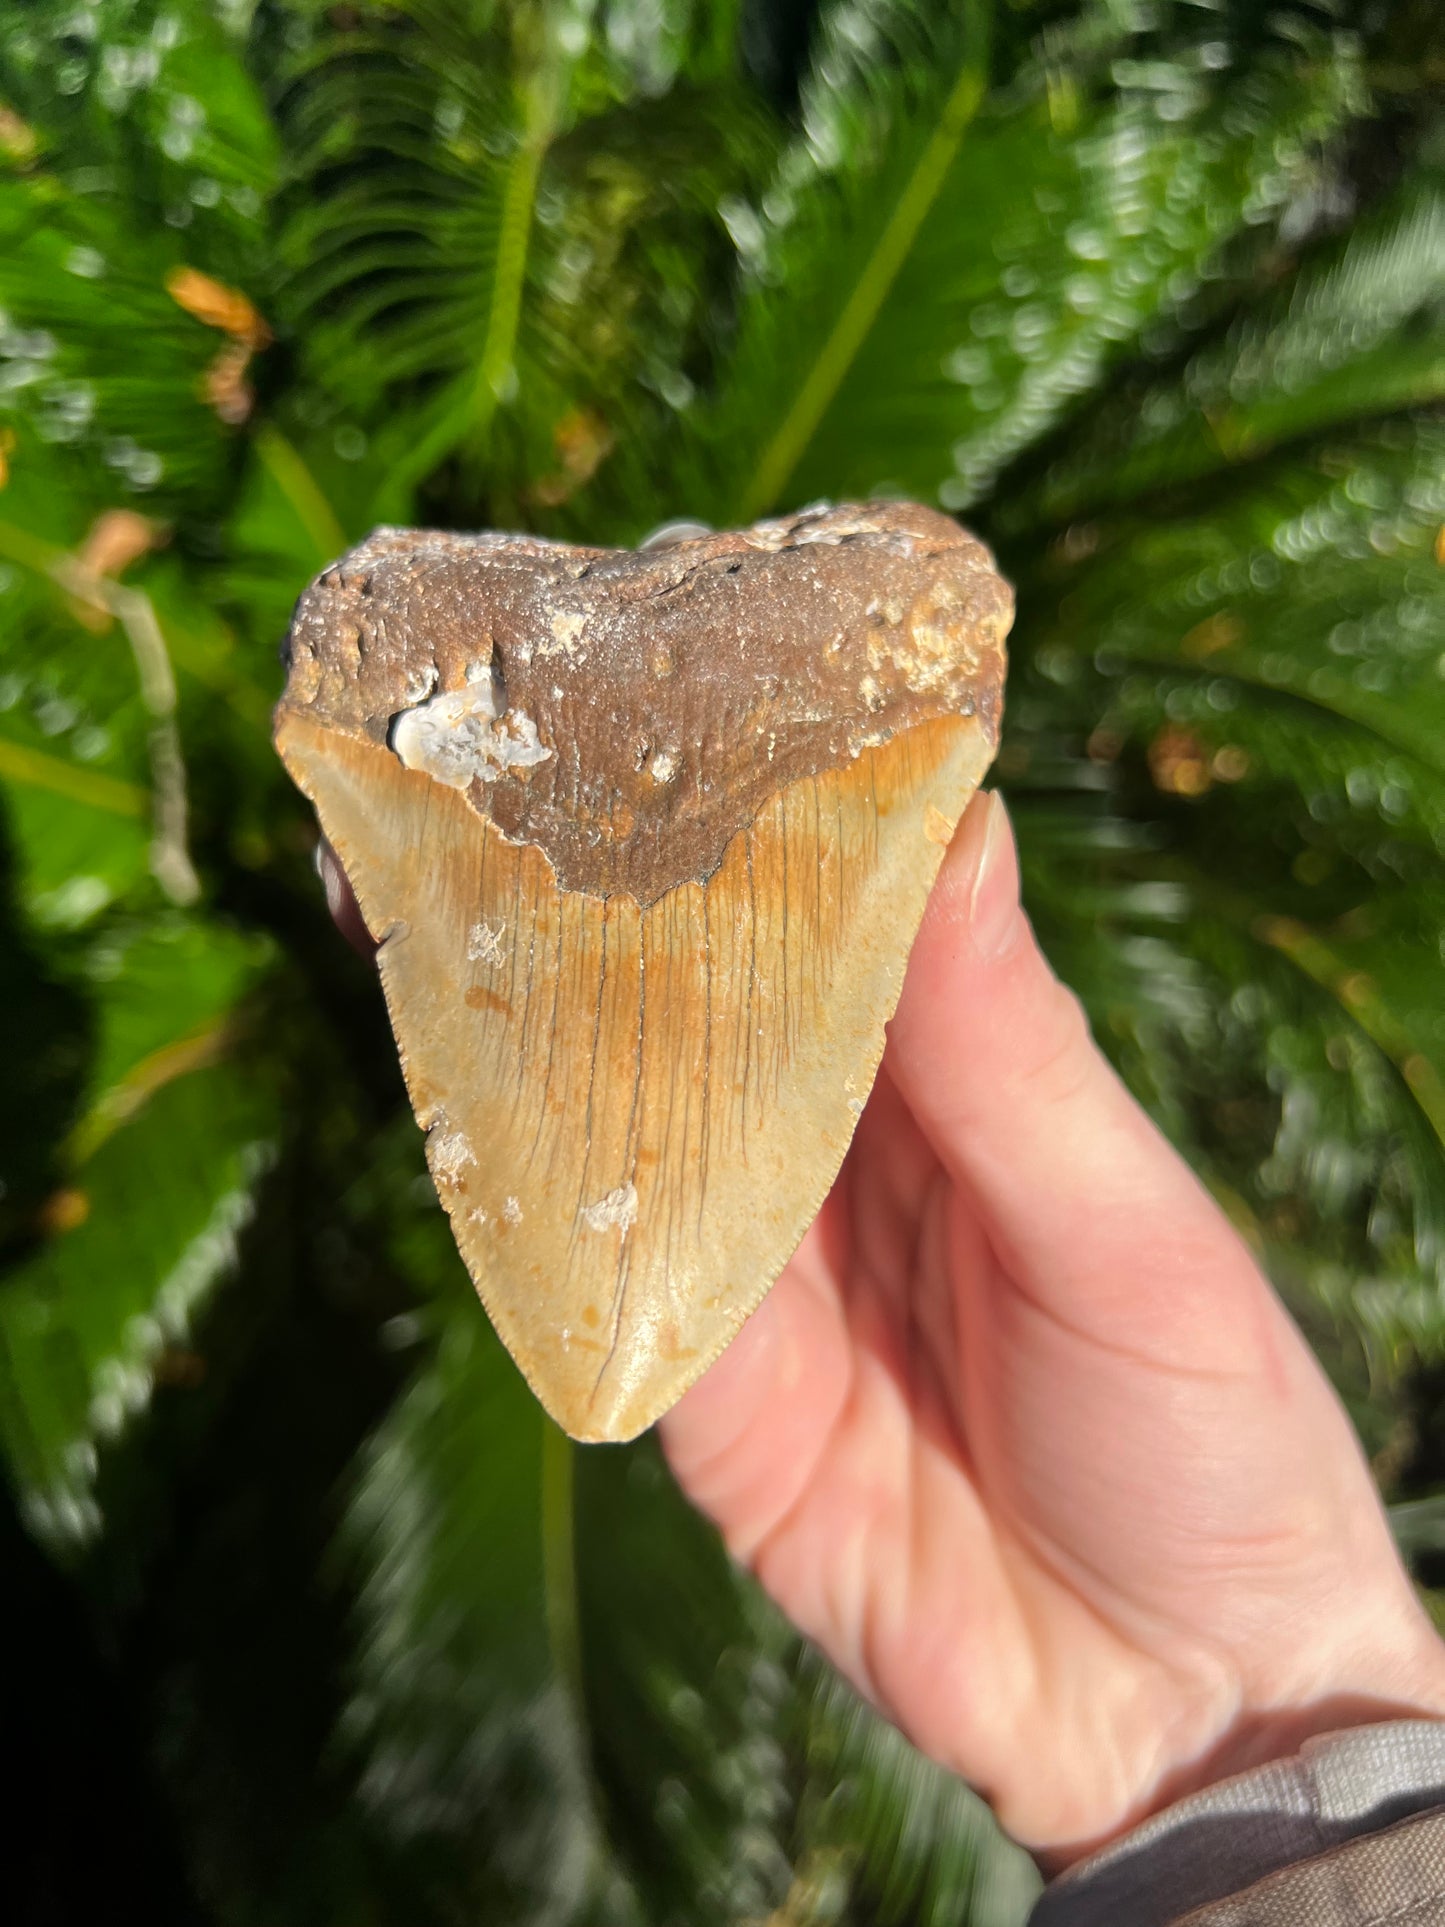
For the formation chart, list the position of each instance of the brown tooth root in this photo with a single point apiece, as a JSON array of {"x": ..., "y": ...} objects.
[{"x": 648, "y": 939}]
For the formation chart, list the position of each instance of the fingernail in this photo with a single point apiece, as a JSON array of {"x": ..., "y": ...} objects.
[{"x": 993, "y": 903}]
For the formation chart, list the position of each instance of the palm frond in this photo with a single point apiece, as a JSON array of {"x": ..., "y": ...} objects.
[
  {"x": 139, "y": 427},
  {"x": 913, "y": 1843},
  {"x": 141, "y": 106},
  {"x": 942, "y": 274},
  {"x": 466, "y": 1716},
  {"x": 74, "y": 769},
  {"x": 444, "y": 247},
  {"x": 1262, "y": 710},
  {"x": 109, "y": 1298},
  {"x": 1359, "y": 331}
]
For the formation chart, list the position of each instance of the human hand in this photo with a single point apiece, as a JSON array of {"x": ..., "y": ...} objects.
[{"x": 1023, "y": 1439}]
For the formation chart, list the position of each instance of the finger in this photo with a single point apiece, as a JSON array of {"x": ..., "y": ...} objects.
[
  {"x": 341, "y": 901},
  {"x": 889, "y": 1171},
  {"x": 744, "y": 1441},
  {"x": 1087, "y": 1206}
]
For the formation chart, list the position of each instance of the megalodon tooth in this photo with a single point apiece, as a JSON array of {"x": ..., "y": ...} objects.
[{"x": 644, "y": 838}]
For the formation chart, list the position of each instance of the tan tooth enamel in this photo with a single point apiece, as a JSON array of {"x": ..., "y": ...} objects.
[{"x": 636, "y": 1102}]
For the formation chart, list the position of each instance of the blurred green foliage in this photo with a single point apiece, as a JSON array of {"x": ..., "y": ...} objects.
[{"x": 313, "y": 1617}]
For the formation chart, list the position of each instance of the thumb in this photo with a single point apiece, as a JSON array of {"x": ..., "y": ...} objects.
[{"x": 1094, "y": 1215}]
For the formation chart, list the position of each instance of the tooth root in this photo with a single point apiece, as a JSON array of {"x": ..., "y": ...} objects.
[{"x": 636, "y": 1112}]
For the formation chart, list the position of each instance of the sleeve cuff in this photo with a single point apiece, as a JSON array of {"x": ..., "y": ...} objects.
[{"x": 1337, "y": 1788}]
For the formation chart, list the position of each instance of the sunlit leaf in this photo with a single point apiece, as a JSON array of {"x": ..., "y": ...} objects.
[
  {"x": 165, "y": 992},
  {"x": 909, "y": 1839},
  {"x": 1257, "y": 682},
  {"x": 487, "y": 249},
  {"x": 137, "y": 1240},
  {"x": 73, "y": 775},
  {"x": 149, "y": 102},
  {"x": 936, "y": 274},
  {"x": 465, "y": 1708},
  {"x": 1360, "y": 331}
]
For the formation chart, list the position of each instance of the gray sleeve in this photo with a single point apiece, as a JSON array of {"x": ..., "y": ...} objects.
[{"x": 1344, "y": 1832}]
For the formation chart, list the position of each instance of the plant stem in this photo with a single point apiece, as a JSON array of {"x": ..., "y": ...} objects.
[
  {"x": 518, "y": 200},
  {"x": 559, "y": 1565},
  {"x": 468, "y": 407},
  {"x": 170, "y": 858},
  {"x": 36, "y": 770},
  {"x": 299, "y": 486}
]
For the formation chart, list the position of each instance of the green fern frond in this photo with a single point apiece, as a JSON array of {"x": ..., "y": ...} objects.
[{"x": 145, "y": 105}]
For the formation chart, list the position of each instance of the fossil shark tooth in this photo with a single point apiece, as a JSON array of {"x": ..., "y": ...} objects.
[{"x": 645, "y": 839}]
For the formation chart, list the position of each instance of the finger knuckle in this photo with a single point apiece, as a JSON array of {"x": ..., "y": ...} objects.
[{"x": 1063, "y": 1059}]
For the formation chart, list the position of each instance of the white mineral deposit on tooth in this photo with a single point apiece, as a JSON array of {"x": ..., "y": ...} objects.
[
  {"x": 485, "y": 945},
  {"x": 567, "y": 628},
  {"x": 618, "y": 1209},
  {"x": 450, "y": 1155},
  {"x": 460, "y": 736}
]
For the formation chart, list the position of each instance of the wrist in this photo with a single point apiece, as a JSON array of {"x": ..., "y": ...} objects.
[
  {"x": 1409, "y": 1685},
  {"x": 1367, "y": 1689}
]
